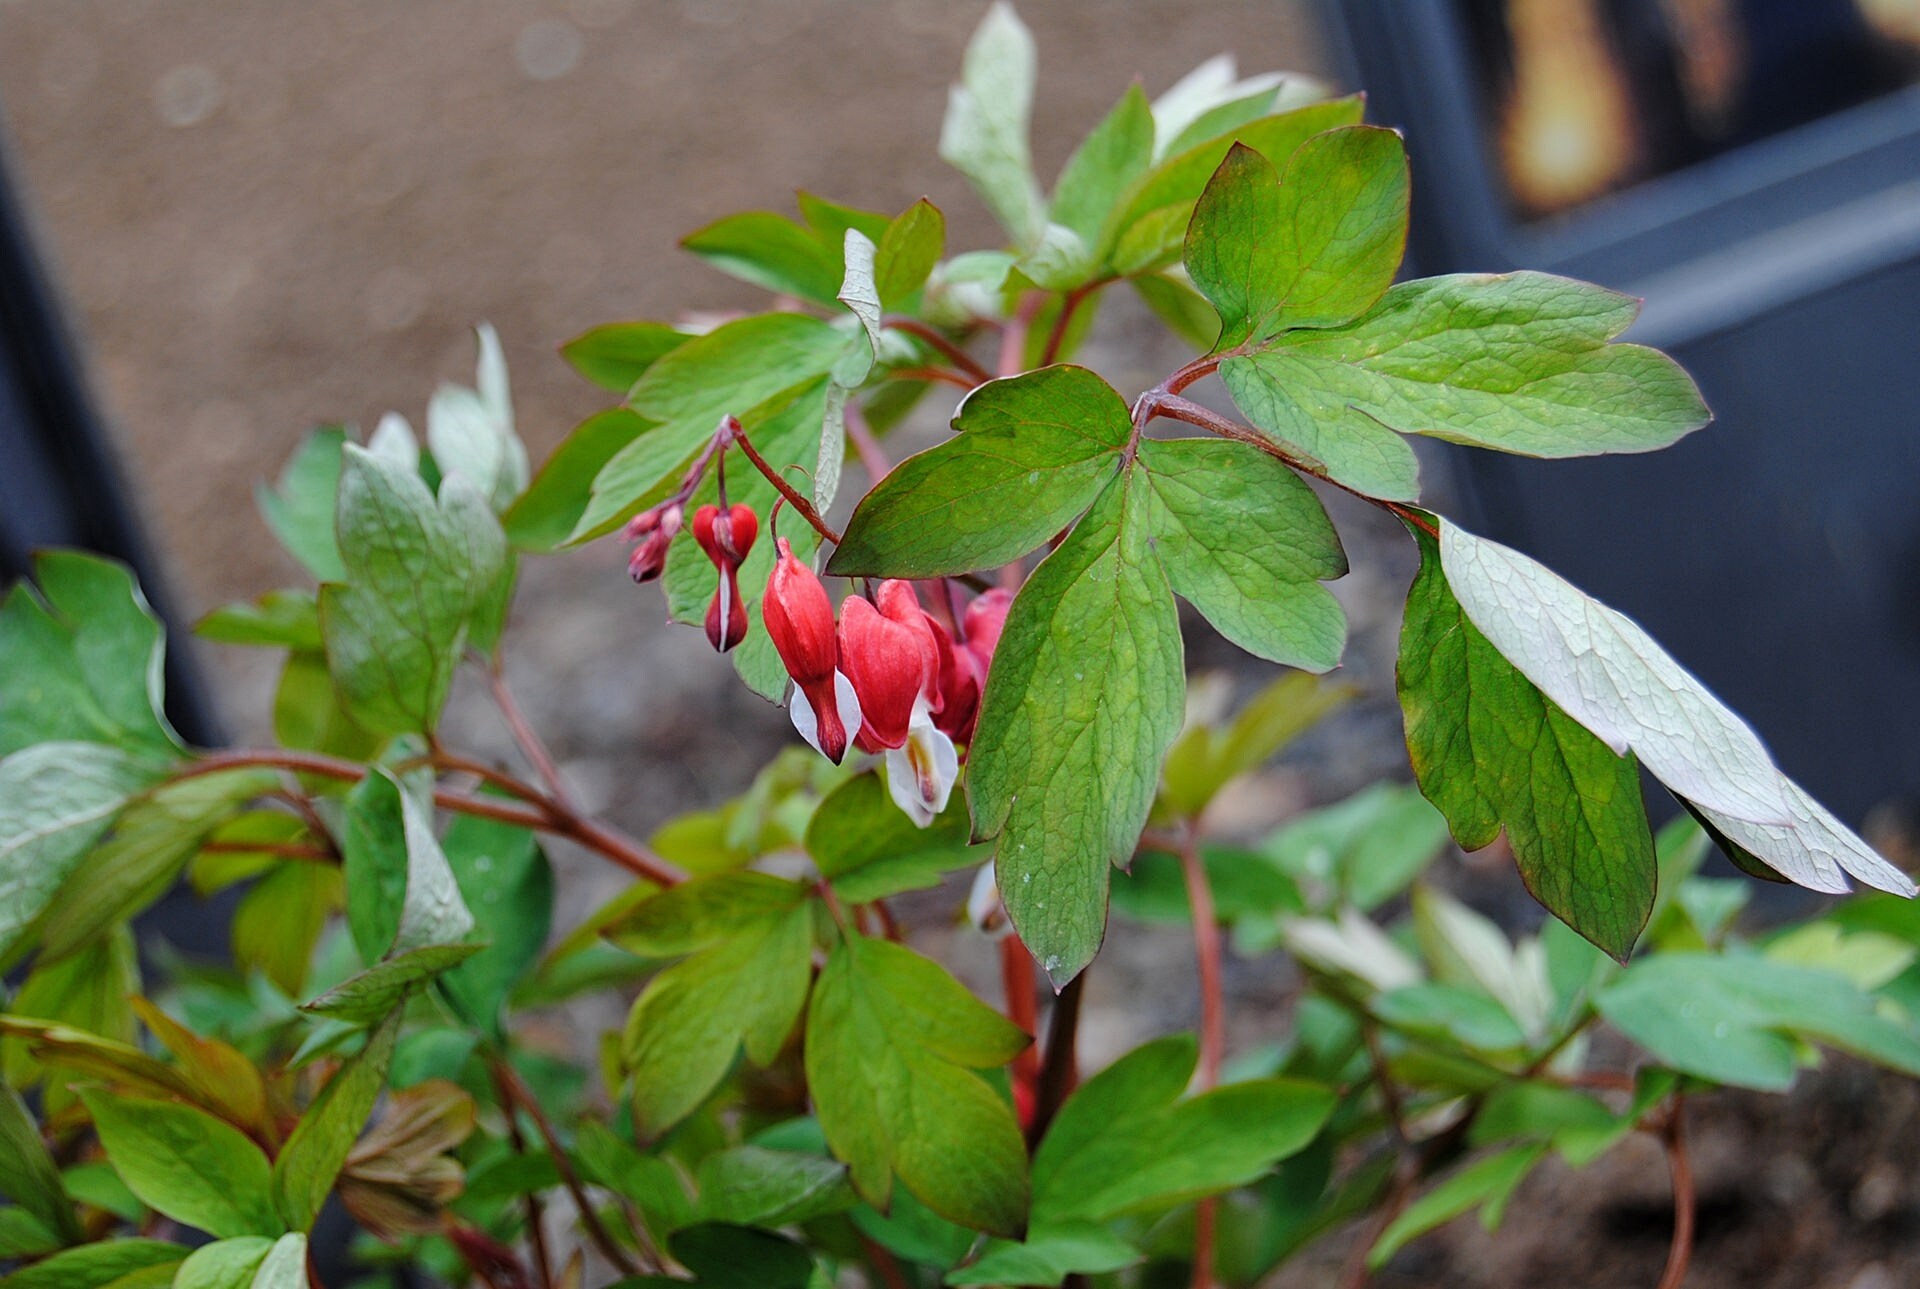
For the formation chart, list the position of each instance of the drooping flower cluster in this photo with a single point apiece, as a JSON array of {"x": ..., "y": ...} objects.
[{"x": 889, "y": 679}]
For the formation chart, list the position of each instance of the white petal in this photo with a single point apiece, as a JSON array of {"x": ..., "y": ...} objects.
[
  {"x": 983, "y": 904},
  {"x": 804, "y": 719},
  {"x": 920, "y": 773},
  {"x": 849, "y": 704},
  {"x": 807, "y": 721}
]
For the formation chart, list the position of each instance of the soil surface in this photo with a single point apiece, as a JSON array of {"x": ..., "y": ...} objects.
[{"x": 269, "y": 216}]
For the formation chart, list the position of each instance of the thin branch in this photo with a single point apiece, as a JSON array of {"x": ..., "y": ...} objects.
[
  {"x": 943, "y": 374},
  {"x": 1206, "y": 948},
  {"x": 1674, "y": 1137},
  {"x": 454, "y": 763},
  {"x": 1060, "y": 1069},
  {"x": 525, "y": 736},
  {"x": 884, "y": 1264},
  {"x": 1013, "y": 340},
  {"x": 1017, "y": 980},
  {"x": 1069, "y": 305},
  {"x": 1389, "y": 1094},
  {"x": 514, "y": 1092},
  {"x": 947, "y": 349},
  {"x": 785, "y": 489},
  {"x": 536, "y": 1212},
  {"x": 545, "y": 815},
  {"x": 873, "y": 457}
]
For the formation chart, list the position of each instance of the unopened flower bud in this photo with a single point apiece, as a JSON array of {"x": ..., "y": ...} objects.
[
  {"x": 726, "y": 536},
  {"x": 984, "y": 620},
  {"x": 799, "y": 617},
  {"x": 649, "y": 558}
]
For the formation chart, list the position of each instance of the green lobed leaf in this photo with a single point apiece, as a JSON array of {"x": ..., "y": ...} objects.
[
  {"x": 91, "y": 1266},
  {"x": 1311, "y": 241},
  {"x": 790, "y": 436},
  {"x": 1152, "y": 228},
  {"x": 750, "y": 368},
  {"x": 1314, "y": 422},
  {"x": 1736, "y": 1018},
  {"x": 616, "y": 354},
  {"x": 308, "y": 712},
  {"x": 304, "y": 1171},
  {"x": 1613, "y": 678},
  {"x": 703, "y": 912},
  {"x": 423, "y": 577},
  {"x": 1186, "y": 312},
  {"x": 745, "y": 990},
  {"x": 1127, "y": 1141},
  {"x": 1493, "y": 752},
  {"x": 891, "y": 1045},
  {"x": 1029, "y": 454},
  {"x": 280, "y": 918},
  {"x": 1084, "y": 698},
  {"x": 28, "y": 1176},
  {"x": 652, "y": 1183},
  {"x": 82, "y": 659},
  {"x": 868, "y": 848},
  {"x": 1245, "y": 541},
  {"x": 187, "y": 1164},
  {"x": 1486, "y": 1183},
  {"x": 56, "y": 801},
  {"x": 300, "y": 508},
  {"x": 989, "y": 116}
]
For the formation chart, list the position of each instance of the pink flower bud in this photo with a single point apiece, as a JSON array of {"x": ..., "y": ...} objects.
[
  {"x": 726, "y": 536},
  {"x": 649, "y": 558},
  {"x": 890, "y": 655},
  {"x": 959, "y": 681},
  {"x": 799, "y": 617},
  {"x": 984, "y": 620}
]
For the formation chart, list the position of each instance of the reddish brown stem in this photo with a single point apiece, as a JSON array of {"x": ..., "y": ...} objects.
[
  {"x": 884, "y": 1264},
  {"x": 1206, "y": 946},
  {"x": 1680, "y": 1254},
  {"x": 785, "y": 489},
  {"x": 513, "y": 1092},
  {"x": 873, "y": 457},
  {"x": 1069, "y": 305},
  {"x": 1013, "y": 340},
  {"x": 282, "y": 849},
  {"x": 942, "y": 374},
  {"x": 536, "y": 1212},
  {"x": 530, "y": 744},
  {"x": 1060, "y": 1068},
  {"x": 546, "y": 815},
  {"x": 947, "y": 349},
  {"x": 1017, "y": 979}
]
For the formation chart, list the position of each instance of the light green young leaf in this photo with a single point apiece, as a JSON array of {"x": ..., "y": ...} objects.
[
  {"x": 1084, "y": 698},
  {"x": 152, "y": 841},
  {"x": 1185, "y": 311},
  {"x": 547, "y": 512},
  {"x": 1736, "y": 1018},
  {"x": 989, "y": 115},
  {"x": 1206, "y": 757},
  {"x": 300, "y": 509},
  {"x": 285, "y": 1266},
  {"x": 703, "y": 912},
  {"x": 393, "y": 441},
  {"x": 1246, "y": 541},
  {"x": 471, "y": 430},
  {"x": 1181, "y": 109},
  {"x": 892, "y": 1043},
  {"x": 1487, "y": 1183},
  {"x": 1108, "y": 163},
  {"x": 751, "y": 368},
  {"x": 745, "y": 990},
  {"x": 187, "y": 1164},
  {"x": 1307, "y": 241},
  {"x": 1491, "y": 751},
  {"x": 82, "y": 659},
  {"x": 56, "y": 801},
  {"x": 304, "y": 1172},
  {"x": 280, "y": 919},
  {"x": 94, "y": 1266},
  {"x": 861, "y": 296},
  {"x": 1466, "y": 949},
  {"x": 617, "y": 354},
  {"x": 278, "y": 619},
  {"x": 422, "y": 576},
  {"x": 1029, "y": 454},
  {"x": 224, "y": 1264},
  {"x": 1127, "y": 1141},
  {"x": 908, "y": 251},
  {"x": 1312, "y": 420},
  {"x": 1612, "y": 678},
  {"x": 770, "y": 251}
]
